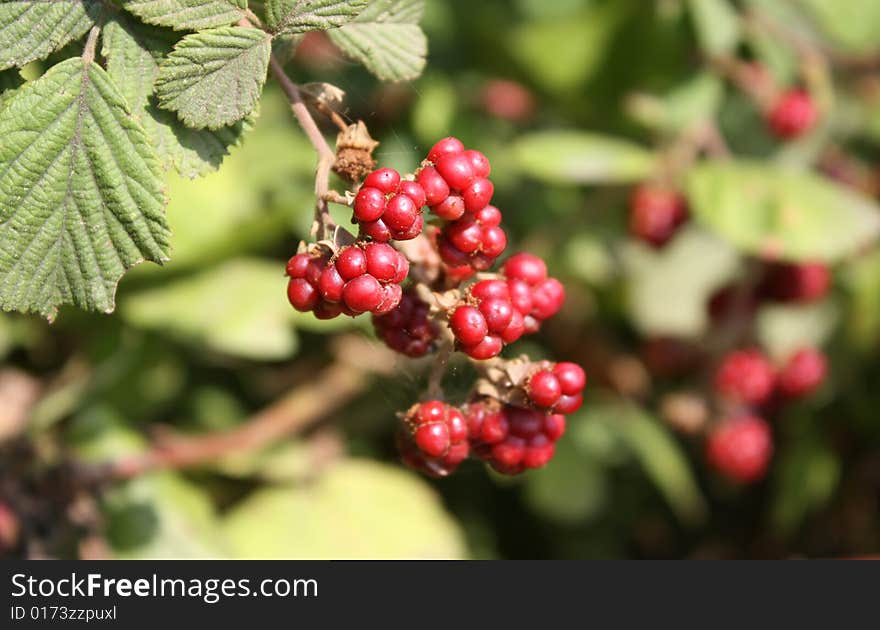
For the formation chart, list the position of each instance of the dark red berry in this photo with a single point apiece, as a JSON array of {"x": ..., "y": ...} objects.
[
  {"x": 400, "y": 213},
  {"x": 572, "y": 379},
  {"x": 490, "y": 346},
  {"x": 740, "y": 448},
  {"x": 434, "y": 438},
  {"x": 297, "y": 265},
  {"x": 656, "y": 213},
  {"x": 415, "y": 192},
  {"x": 381, "y": 261},
  {"x": 468, "y": 325},
  {"x": 803, "y": 373},
  {"x": 330, "y": 284},
  {"x": 487, "y": 289},
  {"x": 351, "y": 263},
  {"x": 362, "y": 294},
  {"x": 302, "y": 294},
  {"x": 793, "y": 114},
  {"x": 520, "y": 295},
  {"x": 498, "y": 313},
  {"x": 745, "y": 376},
  {"x": 376, "y": 230},
  {"x": 369, "y": 204},
  {"x": 407, "y": 328},
  {"x": 489, "y": 216},
  {"x": 793, "y": 282},
  {"x": 466, "y": 235},
  {"x": 515, "y": 329},
  {"x": 547, "y": 298},
  {"x": 385, "y": 179},
  {"x": 493, "y": 241}
]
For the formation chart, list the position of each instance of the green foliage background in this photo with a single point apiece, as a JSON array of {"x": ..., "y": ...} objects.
[{"x": 209, "y": 339}]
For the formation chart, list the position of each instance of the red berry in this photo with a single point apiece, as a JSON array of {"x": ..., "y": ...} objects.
[
  {"x": 544, "y": 389},
  {"x": 414, "y": 191},
  {"x": 512, "y": 439},
  {"x": 432, "y": 439},
  {"x": 434, "y": 186},
  {"x": 745, "y": 376},
  {"x": 391, "y": 296},
  {"x": 351, "y": 263},
  {"x": 656, "y": 213},
  {"x": 376, "y": 230},
  {"x": 456, "y": 169},
  {"x": 741, "y": 448},
  {"x": 803, "y": 373},
  {"x": 490, "y": 346},
  {"x": 330, "y": 284},
  {"x": 488, "y": 216},
  {"x": 525, "y": 267},
  {"x": 479, "y": 163},
  {"x": 402, "y": 268},
  {"x": 444, "y": 147},
  {"x": 450, "y": 209},
  {"x": 572, "y": 379},
  {"x": 362, "y": 294},
  {"x": 468, "y": 325},
  {"x": 547, "y": 298},
  {"x": 381, "y": 261},
  {"x": 465, "y": 235},
  {"x": 303, "y": 296},
  {"x": 569, "y": 404},
  {"x": 487, "y": 289},
  {"x": 515, "y": 329},
  {"x": 478, "y": 194},
  {"x": 412, "y": 231},
  {"x": 327, "y": 310},
  {"x": 385, "y": 179},
  {"x": 520, "y": 295},
  {"x": 296, "y": 266},
  {"x": 508, "y": 100},
  {"x": 400, "y": 213},
  {"x": 498, "y": 313},
  {"x": 793, "y": 114},
  {"x": 493, "y": 241},
  {"x": 369, "y": 204}
]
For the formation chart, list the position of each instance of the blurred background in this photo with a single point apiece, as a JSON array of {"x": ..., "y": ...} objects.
[{"x": 574, "y": 102}]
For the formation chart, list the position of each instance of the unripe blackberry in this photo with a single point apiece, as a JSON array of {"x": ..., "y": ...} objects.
[
  {"x": 740, "y": 448},
  {"x": 407, "y": 329},
  {"x": 745, "y": 376},
  {"x": 512, "y": 439},
  {"x": 468, "y": 325},
  {"x": 558, "y": 387},
  {"x": 793, "y": 114},
  {"x": 532, "y": 293},
  {"x": 433, "y": 438},
  {"x": 803, "y": 373},
  {"x": 387, "y": 208},
  {"x": 656, "y": 214}
]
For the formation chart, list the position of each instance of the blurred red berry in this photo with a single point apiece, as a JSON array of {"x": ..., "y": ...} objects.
[
  {"x": 508, "y": 100},
  {"x": 745, "y": 376},
  {"x": 740, "y": 448},
  {"x": 803, "y": 373},
  {"x": 656, "y": 213},
  {"x": 792, "y": 114}
]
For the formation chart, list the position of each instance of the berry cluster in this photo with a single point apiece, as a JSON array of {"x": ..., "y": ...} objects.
[
  {"x": 348, "y": 275},
  {"x": 407, "y": 329},
  {"x": 388, "y": 208},
  {"x": 458, "y": 191},
  {"x": 499, "y": 311},
  {"x": 741, "y": 447},
  {"x": 557, "y": 388},
  {"x": 513, "y": 439},
  {"x": 433, "y": 438},
  {"x": 360, "y": 278},
  {"x": 656, "y": 213}
]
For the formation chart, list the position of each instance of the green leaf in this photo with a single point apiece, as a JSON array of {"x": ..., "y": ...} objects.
[
  {"x": 666, "y": 291},
  {"x": 663, "y": 460},
  {"x": 783, "y": 330},
  {"x": 851, "y": 24},
  {"x": 717, "y": 26},
  {"x": 573, "y": 157},
  {"x": 357, "y": 509},
  {"x": 387, "y": 39},
  {"x": 187, "y": 14},
  {"x": 772, "y": 211},
  {"x": 134, "y": 52},
  {"x": 302, "y": 16},
  {"x": 31, "y": 30},
  {"x": 81, "y": 197},
  {"x": 238, "y": 308},
  {"x": 214, "y": 78},
  {"x": 10, "y": 81}
]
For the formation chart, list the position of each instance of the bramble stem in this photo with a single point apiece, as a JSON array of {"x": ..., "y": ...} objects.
[{"x": 88, "y": 55}]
